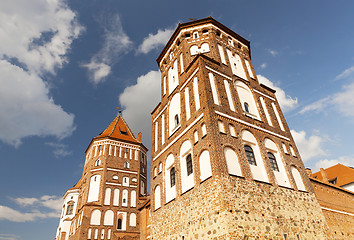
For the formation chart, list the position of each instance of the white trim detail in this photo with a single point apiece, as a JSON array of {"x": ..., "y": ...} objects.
[
  {"x": 94, "y": 170},
  {"x": 332, "y": 210},
  {"x": 118, "y": 170},
  {"x": 251, "y": 125},
  {"x": 179, "y": 136},
  {"x": 263, "y": 94},
  {"x": 158, "y": 115},
  {"x": 223, "y": 75},
  {"x": 115, "y": 184},
  {"x": 190, "y": 78}
]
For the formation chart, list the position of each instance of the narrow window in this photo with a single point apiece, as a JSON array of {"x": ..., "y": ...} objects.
[
  {"x": 176, "y": 120},
  {"x": 97, "y": 163},
  {"x": 173, "y": 177},
  {"x": 195, "y": 136},
  {"x": 189, "y": 164},
  {"x": 246, "y": 107},
  {"x": 273, "y": 162},
  {"x": 119, "y": 226},
  {"x": 195, "y": 35},
  {"x": 250, "y": 155},
  {"x": 126, "y": 165},
  {"x": 204, "y": 131},
  {"x": 221, "y": 126},
  {"x": 232, "y": 130}
]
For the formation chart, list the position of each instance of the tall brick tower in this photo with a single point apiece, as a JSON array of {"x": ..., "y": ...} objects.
[
  {"x": 224, "y": 164},
  {"x": 104, "y": 203}
]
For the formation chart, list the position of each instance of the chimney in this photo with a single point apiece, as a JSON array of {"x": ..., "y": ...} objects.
[
  {"x": 309, "y": 172},
  {"x": 324, "y": 175},
  {"x": 139, "y": 136}
]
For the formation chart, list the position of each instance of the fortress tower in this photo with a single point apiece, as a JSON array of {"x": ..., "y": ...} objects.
[
  {"x": 104, "y": 203},
  {"x": 224, "y": 164}
]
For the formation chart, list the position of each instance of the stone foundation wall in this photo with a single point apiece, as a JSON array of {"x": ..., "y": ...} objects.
[
  {"x": 234, "y": 208},
  {"x": 341, "y": 225}
]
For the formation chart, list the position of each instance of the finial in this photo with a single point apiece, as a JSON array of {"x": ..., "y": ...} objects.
[{"x": 119, "y": 111}]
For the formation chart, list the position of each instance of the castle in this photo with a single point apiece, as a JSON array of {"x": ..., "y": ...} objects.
[{"x": 223, "y": 162}]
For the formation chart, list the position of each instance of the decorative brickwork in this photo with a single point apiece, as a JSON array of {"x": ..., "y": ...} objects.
[{"x": 219, "y": 105}]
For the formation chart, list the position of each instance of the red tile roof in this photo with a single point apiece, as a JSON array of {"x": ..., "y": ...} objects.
[
  {"x": 344, "y": 174},
  {"x": 118, "y": 129}
]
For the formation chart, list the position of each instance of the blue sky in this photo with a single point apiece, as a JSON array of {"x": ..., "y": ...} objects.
[{"x": 65, "y": 67}]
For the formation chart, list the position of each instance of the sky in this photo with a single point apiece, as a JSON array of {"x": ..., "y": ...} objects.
[{"x": 66, "y": 65}]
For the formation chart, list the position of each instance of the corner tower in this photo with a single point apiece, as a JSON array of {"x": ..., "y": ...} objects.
[
  {"x": 113, "y": 179},
  {"x": 224, "y": 164}
]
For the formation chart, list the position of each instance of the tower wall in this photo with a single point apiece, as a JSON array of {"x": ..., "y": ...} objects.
[{"x": 224, "y": 163}]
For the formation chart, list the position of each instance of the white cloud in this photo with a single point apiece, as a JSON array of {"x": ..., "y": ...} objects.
[
  {"x": 8, "y": 237},
  {"x": 154, "y": 41},
  {"x": 139, "y": 100},
  {"x": 309, "y": 147},
  {"x": 263, "y": 65},
  {"x": 286, "y": 102},
  {"x": 35, "y": 209},
  {"x": 30, "y": 48},
  {"x": 60, "y": 150},
  {"x": 326, "y": 163},
  {"x": 272, "y": 52},
  {"x": 341, "y": 101},
  {"x": 26, "y": 107},
  {"x": 116, "y": 42},
  {"x": 346, "y": 73},
  {"x": 40, "y": 42}
]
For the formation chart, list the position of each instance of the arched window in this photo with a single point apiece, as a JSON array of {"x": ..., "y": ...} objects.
[
  {"x": 194, "y": 50},
  {"x": 174, "y": 113},
  {"x": 155, "y": 171},
  {"x": 172, "y": 177},
  {"x": 70, "y": 208},
  {"x": 119, "y": 225},
  {"x": 189, "y": 164},
  {"x": 97, "y": 163},
  {"x": 157, "y": 197},
  {"x": 273, "y": 162},
  {"x": 245, "y": 105},
  {"x": 125, "y": 198},
  {"x": 247, "y": 100},
  {"x": 276, "y": 163},
  {"x": 125, "y": 181},
  {"x": 250, "y": 155},
  {"x": 95, "y": 217}
]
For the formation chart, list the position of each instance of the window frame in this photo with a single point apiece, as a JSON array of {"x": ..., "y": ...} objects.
[
  {"x": 251, "y": 159},
  {"x": 189, "y": 164},
  {"x": 273, "y": 161}
]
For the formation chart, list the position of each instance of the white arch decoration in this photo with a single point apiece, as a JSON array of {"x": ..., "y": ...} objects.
[
  {"x": 298, "y": 179},
  {"x": 245, "y": 95},
  {"x": 258, "y": 171},
  {"x": 232, "y": 163},
  {"x": 205, "y": 167},
  {"x": 280, "y": 176}
]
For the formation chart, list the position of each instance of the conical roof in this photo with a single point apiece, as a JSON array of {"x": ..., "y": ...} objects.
[{"x": 119, "y": 130}]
